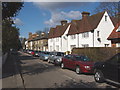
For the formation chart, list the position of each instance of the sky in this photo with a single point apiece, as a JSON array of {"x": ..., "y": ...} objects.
[{"x": 36, "y": 16}]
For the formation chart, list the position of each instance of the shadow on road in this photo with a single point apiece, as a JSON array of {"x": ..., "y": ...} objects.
[
  {"x": 80, "y": 84},
  {"x": 38, "y": 68}
]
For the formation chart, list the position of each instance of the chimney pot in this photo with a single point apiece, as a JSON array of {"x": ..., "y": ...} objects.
[
  {"x": 84, "y": 14},
  {"x": 63, "y": 22}
]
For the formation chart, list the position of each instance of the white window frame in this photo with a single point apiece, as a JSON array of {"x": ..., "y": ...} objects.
[
  {"x": 85, "y": 45},
  {"x": 85, "y": 35},
  {"x": 73, "y": 36},
  {"x": 117, "y": 44}
]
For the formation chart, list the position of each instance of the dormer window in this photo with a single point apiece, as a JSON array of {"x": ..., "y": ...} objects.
[{"x": 105, "y": 17}]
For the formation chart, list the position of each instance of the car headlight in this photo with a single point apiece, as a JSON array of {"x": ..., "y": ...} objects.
[
  {"x": 87, "y": 67},
  {"x": 46, "y": 57},
  {"x": 59, "y": 60}
]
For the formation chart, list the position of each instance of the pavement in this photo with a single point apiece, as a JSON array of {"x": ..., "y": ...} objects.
[{"x": 11, "y": 77}]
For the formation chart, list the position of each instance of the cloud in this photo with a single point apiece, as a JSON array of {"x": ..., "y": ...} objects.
[
  {"x": 54, "y": 6},
  {"x": 17, "y": 21},
  {"x": 56, "y": 17}
]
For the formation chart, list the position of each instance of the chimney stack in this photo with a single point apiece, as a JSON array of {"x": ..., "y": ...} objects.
[
  {"x": 63, "y": 22},
  {"x": 84, "y": 14},
  {"x": 30, "y": 34}
]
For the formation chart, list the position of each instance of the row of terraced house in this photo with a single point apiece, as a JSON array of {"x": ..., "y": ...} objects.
[
  {"x": 98, "y": 30},
  {"x": 38, "y": 42}
]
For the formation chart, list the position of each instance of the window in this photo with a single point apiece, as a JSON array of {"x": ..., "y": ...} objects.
[
  {"x": 73, "y": 36},
  {"x": 57, "y": 39},
  {"x": 57, "y": 48},
  {"x": 68, "y": 56},
  {"x": 85, "y": 45},
  {"x": 105, "y": 17},
  {"x": 118, "y": 44},
  {"x": 72, "y": 46},
  {"x": 50, "y": 48},
  {"x": 106, "y": 45},
  {"x": 115, "y": 59},
  {"x": 85, "y": 34},
  {"x": 98, "y": 33},
  {"x": 51, "y": 40}
]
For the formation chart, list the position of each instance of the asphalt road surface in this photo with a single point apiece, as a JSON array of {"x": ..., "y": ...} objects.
[
  {"x": 36, "y": 73},
  {"x": 40, "y": 74}
]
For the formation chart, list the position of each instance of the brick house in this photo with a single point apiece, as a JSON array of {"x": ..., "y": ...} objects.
[{"x": 115, "y": 36}]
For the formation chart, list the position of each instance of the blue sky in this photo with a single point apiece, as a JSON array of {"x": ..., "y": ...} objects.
[{"x": 36, "y": 16}]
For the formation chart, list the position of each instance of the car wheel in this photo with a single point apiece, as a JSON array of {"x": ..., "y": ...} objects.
[
  {"x": 77, "y": 70},
  {"x": 62, "y": 65},
  {"x": 99, "y": 76}
]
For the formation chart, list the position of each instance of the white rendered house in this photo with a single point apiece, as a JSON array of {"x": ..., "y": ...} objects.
[{"x": 90, "y": 31}]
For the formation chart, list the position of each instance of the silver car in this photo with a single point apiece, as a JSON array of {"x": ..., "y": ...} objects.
[
  {"x": 55, "y": 58},
  {"x": 44, "y": 55}
]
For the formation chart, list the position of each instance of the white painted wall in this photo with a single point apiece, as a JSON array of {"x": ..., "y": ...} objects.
[
  {"x": 72, "y": 42},
  {"x": 105, "y": 28},
  {"x": 64, "y": 40},
  {"x": 86, "y": 40}
]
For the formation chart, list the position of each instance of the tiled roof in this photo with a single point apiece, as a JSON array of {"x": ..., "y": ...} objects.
[
  {"x": 57, "y": 31},
  {"x": 32, "y": 37},
  {"x": 114, "y": 20},
  {"x": 86, "y": 24},
  {"x": 115, "y": 34}
]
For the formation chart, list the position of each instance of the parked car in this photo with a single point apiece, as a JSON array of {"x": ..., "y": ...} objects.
[
  {"x": 108, "y": 70},
  {"x": 32, "y": 53},
  {"x": 44, "y": 55},
  {"x": 79, "y": 63},
  {"x": 29, "y": 51},
  {"x": 37, "y": 53},
  {"x": 55, "y": 58}
]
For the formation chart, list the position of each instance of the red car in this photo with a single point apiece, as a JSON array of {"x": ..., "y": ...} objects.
[{"x": 80, "y": 63}]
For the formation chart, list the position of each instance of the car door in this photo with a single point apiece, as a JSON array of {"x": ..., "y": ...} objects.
[
  {"x": 72, "y": 62},
  {"x": 110, "y": 68},
  {"x": 66, "y": 61}
]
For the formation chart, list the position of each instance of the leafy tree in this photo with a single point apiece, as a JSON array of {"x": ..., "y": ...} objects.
[
  {"x": 10, "y": 9},
  {"x": 10, "y": 33},
  {"x": 111, "y": 7}
]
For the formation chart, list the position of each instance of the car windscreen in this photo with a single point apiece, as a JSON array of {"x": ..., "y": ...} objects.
[
  {"x": 59, "y": 54},
  {"x": 46, "y": 52},
  {"x": 82, "y": 58}
]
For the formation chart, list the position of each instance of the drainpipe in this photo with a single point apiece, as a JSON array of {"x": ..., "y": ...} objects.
[
  {"x": 78, "y": 40},
  {"x": 93, "y": 37},
  {"x": 61, "y": 43}
]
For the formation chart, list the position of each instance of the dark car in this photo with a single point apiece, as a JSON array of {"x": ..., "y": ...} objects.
[
  {"x": 36, "y": 53},
  {"x": 79, "y": 63},
  {"x": 55, "y": 58},
  {"x": 108, "y": 70}
]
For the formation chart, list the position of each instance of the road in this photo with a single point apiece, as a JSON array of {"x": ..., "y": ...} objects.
[{"x": 40, "y": 74}]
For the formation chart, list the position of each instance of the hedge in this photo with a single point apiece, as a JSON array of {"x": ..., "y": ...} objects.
[{"x": 97, "y": 53}]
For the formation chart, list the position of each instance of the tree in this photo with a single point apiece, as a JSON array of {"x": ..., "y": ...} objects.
[
  {"x": 111, "y": 7},
  {"x": 10, "y": 9},
  {"x": 10, "y": 33}
]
